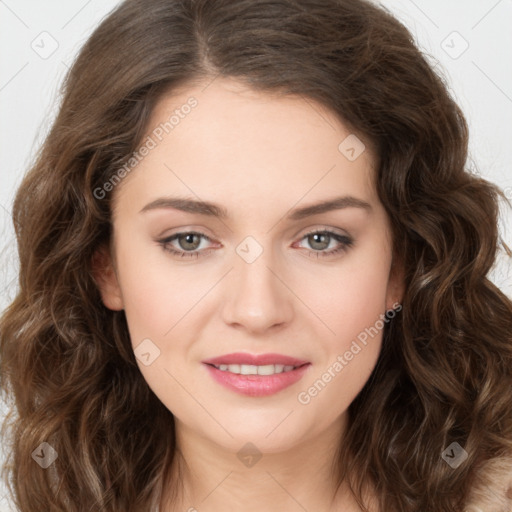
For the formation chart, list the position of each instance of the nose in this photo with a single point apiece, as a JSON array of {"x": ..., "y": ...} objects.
[{"x": 257, "y": 297}]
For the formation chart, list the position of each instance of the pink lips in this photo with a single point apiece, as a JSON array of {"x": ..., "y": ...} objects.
[{"x": 256, "y": 385}]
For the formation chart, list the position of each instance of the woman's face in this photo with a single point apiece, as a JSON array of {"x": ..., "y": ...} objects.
[{"x": 247, "y": 276}]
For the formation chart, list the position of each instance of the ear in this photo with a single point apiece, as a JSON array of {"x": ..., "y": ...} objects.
[
  {"x": 396, "y": 285},
  {"x": 105, "y": 277}
]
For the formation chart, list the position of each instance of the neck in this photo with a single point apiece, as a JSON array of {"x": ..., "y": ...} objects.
[{"x": 213, "y": 478}]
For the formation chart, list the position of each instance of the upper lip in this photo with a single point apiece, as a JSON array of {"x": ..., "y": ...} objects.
[{"x": 255, "y": 359}]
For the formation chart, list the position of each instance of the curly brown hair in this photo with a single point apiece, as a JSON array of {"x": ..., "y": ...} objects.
[{"x": 445, "y": 370}]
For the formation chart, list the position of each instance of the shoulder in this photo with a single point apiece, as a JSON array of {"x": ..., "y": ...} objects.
[{"x": 492, "y": 487}]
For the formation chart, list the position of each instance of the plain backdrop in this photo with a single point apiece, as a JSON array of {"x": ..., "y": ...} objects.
[{"x": 468, "y": 42}]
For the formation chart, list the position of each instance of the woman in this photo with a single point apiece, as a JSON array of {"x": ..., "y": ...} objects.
[{"x": 183, "y": 339}]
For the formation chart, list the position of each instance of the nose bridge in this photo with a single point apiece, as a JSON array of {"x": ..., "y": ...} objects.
[{"x": 257, "y": 298}]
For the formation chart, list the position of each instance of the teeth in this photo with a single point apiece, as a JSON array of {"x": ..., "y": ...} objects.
[{"x": 250, "y": 369}]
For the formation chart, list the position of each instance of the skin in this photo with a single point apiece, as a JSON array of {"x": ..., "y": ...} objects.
[{"x": 258, "y": 156}]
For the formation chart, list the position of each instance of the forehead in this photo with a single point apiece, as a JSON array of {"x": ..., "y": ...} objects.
[{"x": 241, "y": 145}]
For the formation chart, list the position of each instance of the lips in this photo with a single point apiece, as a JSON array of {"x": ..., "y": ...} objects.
[
  {"x": 257, "y": 385},
  {"x": 255, "y": 359},
  {"x": 279, "y": 372}
]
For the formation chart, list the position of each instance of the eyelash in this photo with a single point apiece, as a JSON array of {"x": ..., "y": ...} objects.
[{"x": 346, "y": 242}]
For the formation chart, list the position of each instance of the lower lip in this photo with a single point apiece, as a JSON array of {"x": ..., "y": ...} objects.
[{"x": 257, "y": 385}]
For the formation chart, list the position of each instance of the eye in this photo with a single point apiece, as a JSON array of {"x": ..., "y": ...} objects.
[
  {"x": 188, "y": 240},
  {"x": 320, "y": 240}
]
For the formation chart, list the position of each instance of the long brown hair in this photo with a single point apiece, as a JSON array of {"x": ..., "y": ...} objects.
[{"x": 445, "y": 370}]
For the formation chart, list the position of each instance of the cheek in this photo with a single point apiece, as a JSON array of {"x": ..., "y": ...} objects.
[
  {"x": 353, "y": 296},
  {"x": 156, "y": 293},
  {"x": 352, "y": 309}
]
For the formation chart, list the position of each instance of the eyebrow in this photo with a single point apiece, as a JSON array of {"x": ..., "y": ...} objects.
[{"x": 215, "y": 210}]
